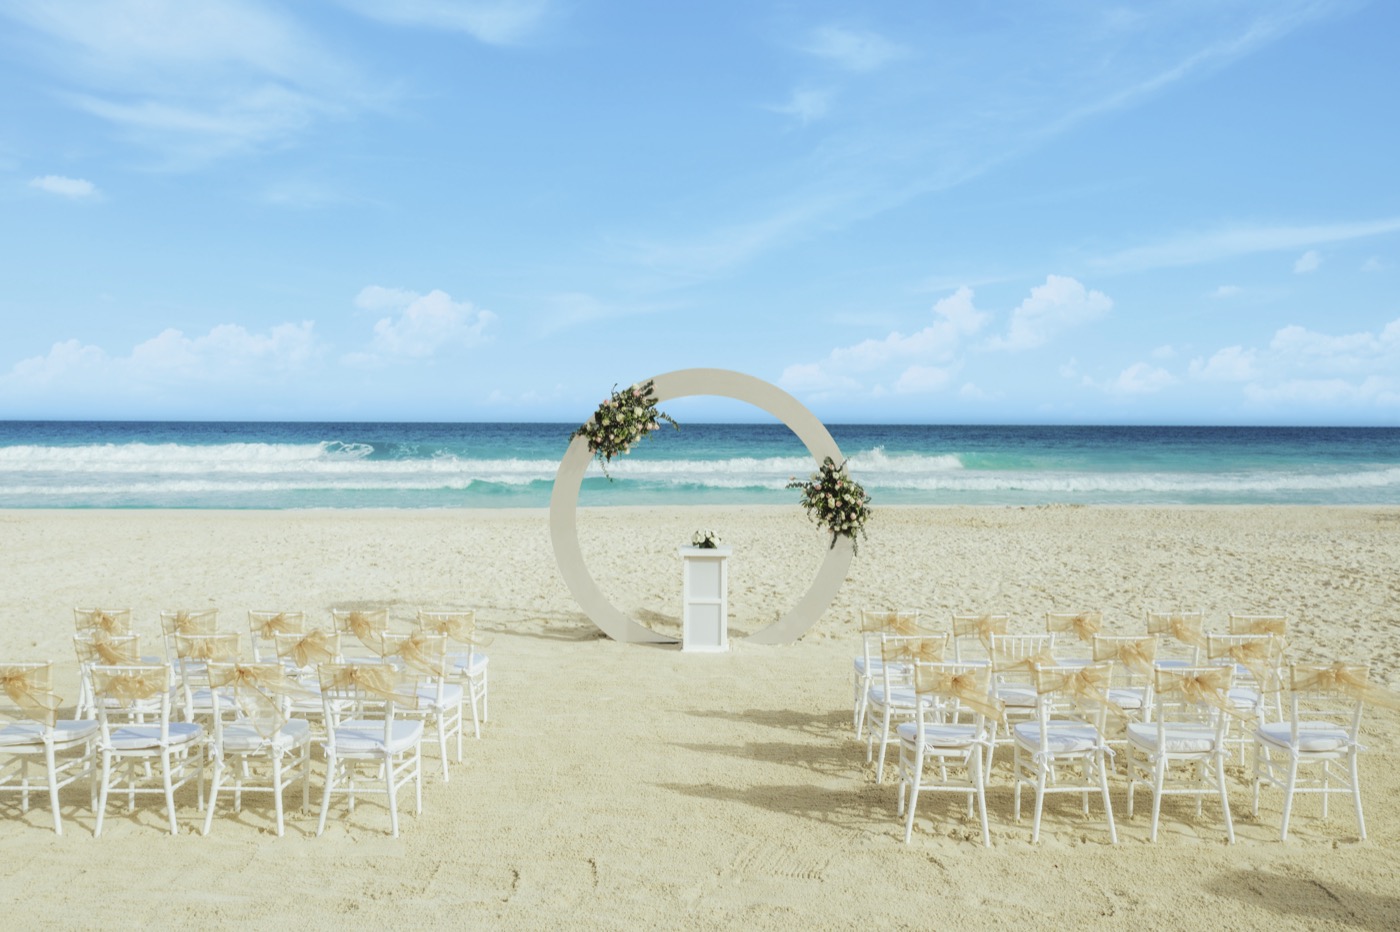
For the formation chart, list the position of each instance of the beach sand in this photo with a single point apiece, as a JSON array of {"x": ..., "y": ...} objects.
[{"x": 621, "y": 786}]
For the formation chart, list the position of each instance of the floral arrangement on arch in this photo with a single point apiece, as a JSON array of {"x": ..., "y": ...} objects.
[
  {"x": 835, "y": 501},
  {"x": 623, "y": 419}
]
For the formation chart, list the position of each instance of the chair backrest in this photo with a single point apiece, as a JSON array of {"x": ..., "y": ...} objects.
[
  {"x": 364, "y": 625},
  {"x": 1081, "y": 625},
  {"x": 899, "y": 652},
  {"x": 1192, "y": 695},
  {"x": 365, "y": 690},
  {"x": 93, "y": 647},
  {"x": 113, "y": 621},
  {"x": 1256, "y": 657},
  {"x": 1132, "y": 656},
  {"x": 132, "y": 693},
  {"x": 309, "y": 649},
  {"x": 972, "y": 634},
  {"x": 1014, "y": 656},
  {"x": 1276, "y": 625},
  {"x": 956, "y": 688},
  {"x": 258, "y": 693},
  {"x": 419, "y": 652},
  {"x": 264, "y": 626},
  {"x": 26, "y": 692},
  {"x": 1333, "y": 693},
  {"x": 1182, "y": 633},
  {"x": 1073, "y": 691},
  {"x": 186, "y": 621}
]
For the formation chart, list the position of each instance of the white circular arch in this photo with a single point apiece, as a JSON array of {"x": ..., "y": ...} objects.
[{"x": 563, "y": 509}]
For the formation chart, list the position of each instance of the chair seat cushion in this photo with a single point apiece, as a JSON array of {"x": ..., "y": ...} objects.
[
  {"x": 473, "y": 664},
  {"x": 1243, "y": 697},
  {"x": 359, "y": 736},
  {"x": 1062, "y": 737},
  {"x": 900, "y": 697},
  {"x": 23, "y": 734},
  {"x": 451, "y": 696},
  {"x": 147, "y": 737},
  {"x": 1313, "y": 737},
  {"x": 1181, "y": 737},
  {"x": 938, "y": 735},
  {"x": 1018, "y": 697},
  {"x": 1126, "y": 697},
  {"x": 243, "y": 738}
]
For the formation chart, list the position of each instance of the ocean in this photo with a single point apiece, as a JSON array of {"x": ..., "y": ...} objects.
[{"x": 107, "y": 464}]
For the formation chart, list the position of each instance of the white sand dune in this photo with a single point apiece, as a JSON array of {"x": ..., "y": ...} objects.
[{"x": 626, "y": 786}]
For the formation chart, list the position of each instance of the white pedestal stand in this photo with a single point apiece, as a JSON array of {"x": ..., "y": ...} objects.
[{"x": 705, "y": 599}]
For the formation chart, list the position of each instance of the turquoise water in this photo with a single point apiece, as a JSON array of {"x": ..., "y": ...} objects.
[{"x": 63, "y": 464}]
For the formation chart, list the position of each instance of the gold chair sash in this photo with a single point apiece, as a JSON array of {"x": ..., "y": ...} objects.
[
  {"x": 113, "y": 651},
  {"x": 268, "y": 628},
  {"x": 1260, "y": 624},
  {"x": 1350, "y": 679},
  {"x": 206, "y": 647},
  {"x": 1200, "y": 688},
  {"x": 313, "y": 648},
  {"x": 1003, "y": 662},
  {"x": 1259, "y": 658},
  {"x": 420, "y": 650},
  {"x": 186, "y": 622},
  {"x": 128, "y": 686},
  {"x": 30, "y": 690},
  {"x": 1087, "y": 684},
  {"x": 459, "y": 626},
  {"x": 1175, "y": 624},
  {"x": 99, "y": 620},
  {"x": 984, "y": 626},
  {"x": 377, "y": 679},
  {"x": 261, "y": 684},
  {"x": 1084, "y": 625},
  {"x": 969, "y": 687},
  {"x": 366, "y": 627},
  {"x": 1137, "y": 655},
  {"x": 903, "y": 623},
  {"x": 927, "y": 649}
]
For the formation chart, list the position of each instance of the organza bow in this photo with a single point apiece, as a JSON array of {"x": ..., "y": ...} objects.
[
  {"x": 1259, "y": 658},
  {"x": 904, "y": 623},
  {"x": 1186, "y": 629},
  {"x": 130, "y": 686},
  {"x": 904, "y": 649},
  {"x": 366, "y": 628},
  {"x": 99, "y": 620},
  {"x": 1350, "y": 679},
  {"x": 968, "y": 687},
  {"x": 984, "y": 626},
  {"x": 1137, "y": 655},
  {"x": 28, "y": 688},
  {"x": 459, "y": 626},
  {"x": 423, "y": 652},
  {"x": 313, "y": 648},
  {"x": 113, "y": 651},
  {"x": 259, "y": 686},
  {"x": 377, "y": 679},
  {"x": 1200, "y": 688},
  {"x": 1084, "y": 625},
  {"x": 1003, "y": 662},
  {"x": 206, "y": 647},
  {"x": 1086, "y": 685},
  {"x": 1261, "y": 624},
  {"x": 268, "y": 628}
]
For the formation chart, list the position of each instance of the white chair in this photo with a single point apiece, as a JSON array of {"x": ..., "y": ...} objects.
[
  {"x": 1277, "y": 625},
  {"x": 302, "y": 655},
  {"x": 30, "y": 730},
  {"x": 1014, "y": 657},
  {"x": 1191, "y": 710},
  {"x": 124, "y": 693},
  {"x": 1314, "y": 750},
  {"x": 109, "y": 621},
  {"x": 865, "y": 666},
  {"x": 184, "y": 621},
  {"x": 193, "y": 654},
  {"x": 1257, "y": 689},
  {"x": 1131, "y": 663},
  {"x": 264, "y": 626},
  {"x": 363, "y": 626},
  {"x": 1076, "y": 631},
  {"x": 893, "y": 699},
  {"x": 97, "y": 647},
  {"x": 1067, "y": 733},
  {"x": 361, "y": 703},
  {"x": 943, "y": 748},
  {"x": 251, "y": 730},
  {"x": 972, "y": 636},
  {"x": 473, "y": 668},
  {"x": 1183, "y": 636},
  {"x": 440, "y": 701}
]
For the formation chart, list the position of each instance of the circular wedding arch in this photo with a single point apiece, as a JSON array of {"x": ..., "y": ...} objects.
[{"x": 683, "y": 383}]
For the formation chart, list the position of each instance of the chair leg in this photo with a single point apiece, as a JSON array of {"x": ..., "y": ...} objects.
[
  {"x": 913, "y": 801},
  {"x": 331, "y": 765},
  {"x": 1224, "y": 798},
  {"x": 393, "y": 796},
  {"x": 1107, "y": 803},
  {"x": 50, "y": 761},
  {"x": 102, "y": 792},
  {"x": 1159, "y": 781},
  {"x": 1288, "y": 797},
  {"x": 1356, "y": 795},
  {"x": 214, "y": 780}
]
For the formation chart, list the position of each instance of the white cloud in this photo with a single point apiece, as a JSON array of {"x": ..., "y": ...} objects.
[
  {"x": 1140, "y": 379},
  {"x": 805, "y": 105},
  {"x": 1212, "y": 246},
  {"x": 1226, "y": 291},
  {"x": 75, "y": 188},
  {"x": 1309, "y": 261},
  {"x": 955, "y": 317},
  {"x": 851, "y": 49},
  {"x": 1231, "y": 364},
  {"x": 423, "y": 325},
  {"x": 494, "y": 22},
  {"x": 1059, "y": 304},
  {"x": 228, "y": 354},
  {"x": 1374, "y": 264}
]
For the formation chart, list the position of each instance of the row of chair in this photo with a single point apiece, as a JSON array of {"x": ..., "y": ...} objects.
[
  {"x": 1066, "y": 708},
  {"x": 140, "y": 717}
]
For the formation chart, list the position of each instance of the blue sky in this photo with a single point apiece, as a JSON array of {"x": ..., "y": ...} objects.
[{"x": 1048, "y": 212}]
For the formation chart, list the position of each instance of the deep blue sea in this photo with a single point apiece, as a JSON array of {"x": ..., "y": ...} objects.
[{"x": 67, "y": 464}]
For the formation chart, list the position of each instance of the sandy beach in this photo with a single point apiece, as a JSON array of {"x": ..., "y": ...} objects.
[{"x": 622, "y": 786}]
